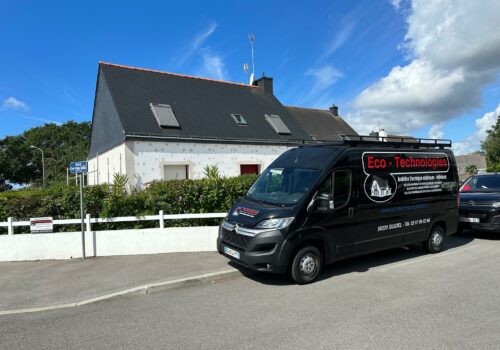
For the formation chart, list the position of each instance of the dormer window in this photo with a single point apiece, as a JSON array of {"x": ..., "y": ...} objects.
[
  {"x": 238, "y": 119},
  {"x": 164, "y": 115},
  {"x": 277, "y": 124}
]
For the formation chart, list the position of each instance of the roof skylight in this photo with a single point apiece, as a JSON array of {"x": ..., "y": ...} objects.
[
  {"x": 277, "y": 124},
  {"x": 238, "y": 118},
  {"x": 164, "y": 115}
]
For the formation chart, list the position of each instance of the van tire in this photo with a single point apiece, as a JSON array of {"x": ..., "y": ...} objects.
[
  {"x": 435, "y": 242},
  {"x": 306, "y": 265}
]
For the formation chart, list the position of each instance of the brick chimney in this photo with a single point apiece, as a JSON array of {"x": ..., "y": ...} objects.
[
  {"x": 334, "y": 110},
  {"x": 265, "y": 84}
]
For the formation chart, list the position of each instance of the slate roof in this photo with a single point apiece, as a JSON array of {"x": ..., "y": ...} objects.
[
  {"x": 321, "y": 124},
  {"x": 203, "y": 108}
]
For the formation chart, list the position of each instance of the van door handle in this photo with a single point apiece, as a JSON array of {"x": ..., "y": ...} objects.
[{"x": 351, "y": 212}]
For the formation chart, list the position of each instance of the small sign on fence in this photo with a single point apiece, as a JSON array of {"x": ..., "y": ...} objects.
[{"x": 42, "y": 225}]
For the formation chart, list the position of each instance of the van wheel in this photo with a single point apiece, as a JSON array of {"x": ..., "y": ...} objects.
[
  {"x": 306, "y": 265},
  {"x": 435, "y": 242}
]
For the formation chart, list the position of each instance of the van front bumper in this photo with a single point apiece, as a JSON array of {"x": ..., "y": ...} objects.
[
  {"x": 486, "y": 218},
  {"x": 266, "y": 251}
]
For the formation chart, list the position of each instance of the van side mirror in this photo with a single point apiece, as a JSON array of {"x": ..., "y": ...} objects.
[{"x": 324, "y": 203}]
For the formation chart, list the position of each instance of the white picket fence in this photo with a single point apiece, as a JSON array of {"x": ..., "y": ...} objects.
[
  {"x": 67, "y": 245},
  {"x": 161, "y": 217}
]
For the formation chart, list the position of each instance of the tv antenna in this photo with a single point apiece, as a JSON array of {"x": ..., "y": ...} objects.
[
  {"x": 251, "y": 38},
  {"x": 245, "y": 69}
]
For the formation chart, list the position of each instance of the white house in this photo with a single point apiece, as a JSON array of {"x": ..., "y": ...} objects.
[
  {"x": 152, "y": 125},
  {"x": 380, "y": 187}
]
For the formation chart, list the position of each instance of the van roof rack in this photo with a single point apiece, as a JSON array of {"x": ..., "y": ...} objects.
[{"x": 395, "y": 141}]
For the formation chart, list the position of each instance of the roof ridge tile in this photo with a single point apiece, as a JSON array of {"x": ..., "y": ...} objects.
[
  {"x": 310, "y": 108},
  {"x": 173, "y": 74}
]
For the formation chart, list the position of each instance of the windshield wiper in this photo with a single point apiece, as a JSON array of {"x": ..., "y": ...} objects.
[{"x": 260, "y": 201}]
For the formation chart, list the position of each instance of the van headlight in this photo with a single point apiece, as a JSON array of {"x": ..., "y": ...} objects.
[
  {"x": 496, "y": 205},
  {"x": 277, "y": 223}
]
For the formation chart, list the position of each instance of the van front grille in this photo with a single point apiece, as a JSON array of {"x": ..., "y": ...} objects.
[{"x": 234, "y": 238}]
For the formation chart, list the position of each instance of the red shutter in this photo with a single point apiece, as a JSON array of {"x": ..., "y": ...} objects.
[{"x": 249, "y": 169}]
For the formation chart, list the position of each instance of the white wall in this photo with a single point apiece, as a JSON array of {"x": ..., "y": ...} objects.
[
  {"x": 67, "y": 245},
  {"x": 144, "y": 162},
  {"x": 103, "y": 167},
  {"x": 149, "y": 158}
]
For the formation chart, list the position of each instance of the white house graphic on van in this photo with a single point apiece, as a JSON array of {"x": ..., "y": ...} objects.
[{"x": 380, "y": 187}]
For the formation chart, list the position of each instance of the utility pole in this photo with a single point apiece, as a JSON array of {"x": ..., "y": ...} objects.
[{"x": 43, "y": 164}]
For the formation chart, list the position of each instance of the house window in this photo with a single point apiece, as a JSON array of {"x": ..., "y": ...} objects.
[
  {"x": 277, "y": 124},
  {"x": 249, "y": 169},
  {"x": 238, "y": 118},
  {"x": 175, "y": 172},
  {"x": 164, "y": 115}
]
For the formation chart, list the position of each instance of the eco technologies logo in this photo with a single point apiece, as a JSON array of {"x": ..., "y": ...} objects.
[{"x": 380, "y": 167}]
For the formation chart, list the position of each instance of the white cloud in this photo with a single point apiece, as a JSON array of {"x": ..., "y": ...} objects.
[
  {"x": 213, "y": 65},
  {"x": 324, "y": 77},
  {"x": 41, "y": 120},
  {"x": 207, "y": 63},
  {"x": 195, "y": 44},
  {"x": 395, "y": 3},
  {"x": 340, "y": 38},
  {"x": 14, "y": 103},
  {"x": 473, "y": 142},
  {"x": 454, "y": 49},
  {"x": 435, "y": 132},
  {"x": 414, "y": 86},
  {"x": 70, "y": 96},
  {"x": 486, "y": 122},
  {"x": 201, "y": 37},
  {"x": 454, "y": 34},
  {"x": 320, "y": 85}
]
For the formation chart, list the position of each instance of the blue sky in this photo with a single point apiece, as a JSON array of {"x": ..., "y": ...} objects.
[{"x": 381, "y": 61}]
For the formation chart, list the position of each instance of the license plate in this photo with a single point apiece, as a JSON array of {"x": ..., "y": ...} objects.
[
  {"x": 467, "y": 219},
  {"x": 232, "y": 252}
]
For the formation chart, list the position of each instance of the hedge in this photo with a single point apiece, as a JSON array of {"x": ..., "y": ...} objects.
[{"x": 174, "y": 197}]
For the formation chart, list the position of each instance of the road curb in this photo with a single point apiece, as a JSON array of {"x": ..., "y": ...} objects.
[{"x": 149, "y": 288}]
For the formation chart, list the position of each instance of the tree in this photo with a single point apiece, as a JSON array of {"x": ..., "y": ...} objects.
[
  {"x": 491, "y": 145},
  {"x": 61, "y": 144},
  {"x": 471, "y": 169}
]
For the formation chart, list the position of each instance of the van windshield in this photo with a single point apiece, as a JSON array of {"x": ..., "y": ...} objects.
[{"x": 283, "y": 185}]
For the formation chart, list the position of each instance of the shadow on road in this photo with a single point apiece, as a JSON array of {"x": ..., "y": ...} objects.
[{"x": 361, "y": 263}]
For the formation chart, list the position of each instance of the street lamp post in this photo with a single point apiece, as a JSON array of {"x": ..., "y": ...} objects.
[{"x": 43, "y": 165}]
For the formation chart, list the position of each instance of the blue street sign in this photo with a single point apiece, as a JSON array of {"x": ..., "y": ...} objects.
[{"x": 78, "y": 167}]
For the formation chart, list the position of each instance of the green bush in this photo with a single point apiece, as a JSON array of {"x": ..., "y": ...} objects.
[
  {"x": 214, "y": 195},
  {"x": 4, "y": 214},
  {"x": 209, "y": 195},
  {"x": 493, "y": 168}
]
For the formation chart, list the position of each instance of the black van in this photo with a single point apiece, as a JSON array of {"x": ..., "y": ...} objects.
[{"x": 321, "y": 203}]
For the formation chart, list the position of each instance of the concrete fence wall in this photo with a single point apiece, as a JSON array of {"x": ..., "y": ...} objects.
[{"x": 67, "y": 245}]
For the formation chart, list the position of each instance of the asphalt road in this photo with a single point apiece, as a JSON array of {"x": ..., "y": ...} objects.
[{"x": 398, "y": 299}]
